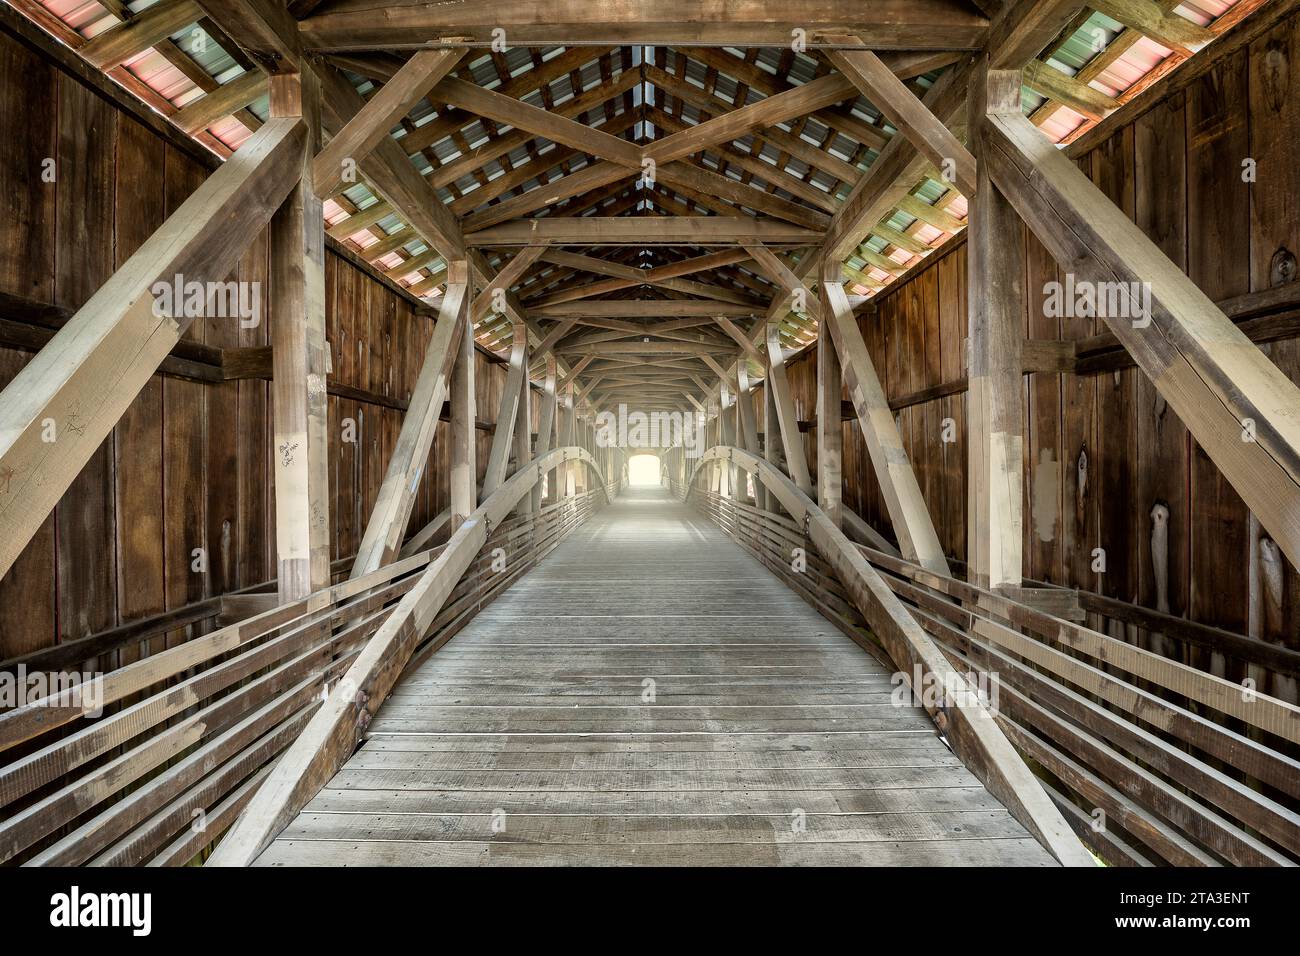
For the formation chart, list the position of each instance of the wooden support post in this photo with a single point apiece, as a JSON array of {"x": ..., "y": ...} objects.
[
  {"x": 503, "y": 434},
  {"x": 1237, "y": 404},
  {"x": 372, "y": 123},
  {"x": 736, "y": 426},
  {"x": 568, "y": 435},
  {"x": 778, "y": 385},
  {"x": 57, "y": 411},
  {"x": 773, "y": 447},
  {"x": 383, "y": 536},
  {"x": 524, "y": 429},
  {"x": 830, "y": 481},
  {"x": 546, "y": 428},
  {"x": 298, "y": 356},
  {"x": 747, "y": 422},
  {"x": 907, "y": 511},
  {"x": 995, "y": 432},
  {"x": 464, "y": 437},
  {"x": 726, "y": 436},
  {"x": 908, "y": 114}
]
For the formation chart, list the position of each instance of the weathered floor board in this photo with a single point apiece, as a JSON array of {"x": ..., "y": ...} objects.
[{"x": 686, "y": 709}]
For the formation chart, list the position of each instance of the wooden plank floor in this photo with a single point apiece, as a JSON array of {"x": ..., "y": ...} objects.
[{"x": 650, "y": 694}]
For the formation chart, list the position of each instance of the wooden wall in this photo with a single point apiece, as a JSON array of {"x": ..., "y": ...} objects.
[
  {"x": 188, "y": 466},
  {"x": 1101, "y": 451}
]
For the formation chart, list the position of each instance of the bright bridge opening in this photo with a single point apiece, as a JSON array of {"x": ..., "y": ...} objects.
[{"x": 643, "y": 470}]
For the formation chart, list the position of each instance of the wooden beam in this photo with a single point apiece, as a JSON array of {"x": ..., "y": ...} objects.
[
  {"x": 523, "y": 442},
  {"x": 389, "y": 172},
  {"x": 787, "y": 142},
  {"x": 956, "y": 708},
  {"x": 621, "y": 158},
  {"x": 387, "y": 525},
  {"x": 561, "y": 329},
  {"x": 648, "y": 348},
  {"x": 299, "y": 358},
  {"x": 639, "y": 231},
  {"x": 994, "y": 409},
  {"x": 80, "y": 384},
  {"x": 894, "y": 173},
  {"x": 503, "y": 434},
  {"x": 898, "y": 485},
  {"x": 568, "y": 426},
  {"x": 1237, "y": 404},
  {"x": 1024, "y": 27},
  {"x": 503, "y": 281},
  {"x": 743, "y": 340},
  {"x": 224, "y": 101},
  {"x": 778, "y": 384},
  {"x": 331, "y": 735},
  {"x": 740, "y": 122},
  {"x": 641, "y": 309},
  {"x": 263, "y": 29},
  {"x": 1068, "y": 90},
  {"x": 1163, "y": 26},
  {"x": 120, "y": 43},
  {"x": 748, "y": 423},
  {"x": 892, "y": 97},
  {"x": 830, "y": 388},
  {"x": 372, "y": 123},
  {"x": 778, "y": 380},
  {"x": 631, "y": 276},
  {"x": 546, "y": 427},
  {"x": 885, "y": 25},
  {"x": 464, "y": 442},
  {"x": 918, "y": 208}
]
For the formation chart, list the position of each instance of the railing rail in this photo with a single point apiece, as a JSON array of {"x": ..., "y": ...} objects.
[
  {"x": 1149, "y": 759},
  {"x": 187, "y": 736},
  {"x": 953, "y": 704}
]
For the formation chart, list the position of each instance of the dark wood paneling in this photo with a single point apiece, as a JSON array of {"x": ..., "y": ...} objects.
[{"x": 188, "y": 466}]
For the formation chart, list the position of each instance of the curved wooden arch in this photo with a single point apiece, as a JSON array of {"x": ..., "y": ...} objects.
[
  {"x": 955, "y": 708},
  {"x": 331, "y": 734}
]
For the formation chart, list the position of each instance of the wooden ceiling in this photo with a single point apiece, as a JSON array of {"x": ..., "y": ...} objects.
[{"x": 541, "y": 120}]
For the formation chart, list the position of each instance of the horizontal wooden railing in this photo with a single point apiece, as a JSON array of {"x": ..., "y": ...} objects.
[
  {"x": 1121, "y": 729},
  {"x": 151, "y": 762},
  {"x": 1150, "y": 760},
  {"x": 952, "y": 702}
]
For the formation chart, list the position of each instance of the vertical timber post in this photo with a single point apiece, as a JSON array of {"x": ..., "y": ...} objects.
[
  {"x": 830, "y": 489},
  {"x": 995, "y": 252},
  {"x": 568, "y": 436},
  {"x": 773, "y": 448},
  {"x": 748, "y": 427},
  {"x": 464, "y": 436},
  {"x": 524, "y": 432},
  {"x": 546, "y": 429},
  {"x": 299, "y": 362}
]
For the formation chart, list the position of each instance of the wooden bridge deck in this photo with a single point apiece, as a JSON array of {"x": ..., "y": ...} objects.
[{"x": 530, "y": 738}]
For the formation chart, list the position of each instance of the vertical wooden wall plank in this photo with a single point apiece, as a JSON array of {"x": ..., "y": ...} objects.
[
  {"x": 1163, "y": 443},
  {"x": 1218, "y": 261},
  {"x": 1044, "y": 479},
  {"x": 184, "y": 448},
  {"x": 139, "y": 209},
  {"x": 1274, "y": 117},
  {"x": 951, "y": 277},
  {"x": 87, "y": 584},
  {"x": 255, "y": 519},
  {"x": 1114, "y": 463},
  {"x": 1079, "y": 526}
]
